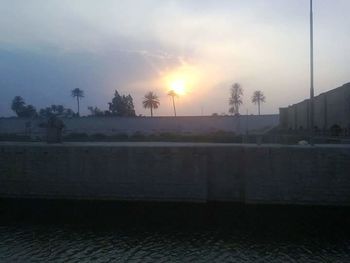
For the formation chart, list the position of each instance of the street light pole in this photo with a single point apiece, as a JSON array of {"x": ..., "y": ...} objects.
[{"x": 311, "y": 117}]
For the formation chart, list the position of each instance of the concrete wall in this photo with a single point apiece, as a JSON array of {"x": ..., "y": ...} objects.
[
  {"x": 330, "y": 108},
  {"x": 136, "y": 173},
  {"x": 177, "y": 172},
  {"x": 320, "y": 109},
  {"x": 302, "y": 115},
  {"x": 338, "y": 105},
  {"x": 144, "y": 125}
]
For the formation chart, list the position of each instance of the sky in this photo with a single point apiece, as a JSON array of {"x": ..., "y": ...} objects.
[{"x": 48, "y": 48}]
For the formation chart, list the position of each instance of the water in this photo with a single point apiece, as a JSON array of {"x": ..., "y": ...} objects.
[{"x": 33, "y": 231}]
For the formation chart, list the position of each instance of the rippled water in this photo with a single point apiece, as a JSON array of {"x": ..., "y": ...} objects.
[{"x": 102, "y": 232}]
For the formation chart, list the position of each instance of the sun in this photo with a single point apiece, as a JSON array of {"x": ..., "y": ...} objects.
[
  {"x": 179, "y": 86},
  {"x": 182, "y": 80}
]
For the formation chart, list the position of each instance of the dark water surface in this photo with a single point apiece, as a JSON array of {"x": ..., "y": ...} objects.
[{"x": 61, "y": 231}]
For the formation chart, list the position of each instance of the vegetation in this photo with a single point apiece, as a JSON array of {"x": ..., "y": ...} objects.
[
  {"x": 28, "y": 111},
  {"x": 173, "y": 94},
  {"x": 78, "y": 94},
  {"x": 151, "y": 102},
  {"x": 21, "y": 109},
  {"x": 56, "y": 110},
  {"x": 258, "y": 98},
  {"x": 235, "y": 100},
  {"x": 122, "y": 106},
  {"x": 96, "y": 112}
]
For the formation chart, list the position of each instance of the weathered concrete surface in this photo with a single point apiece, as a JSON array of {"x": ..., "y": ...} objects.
[
  {"x": 330, "y": 108},
  {"x": 253, "y": 124},
  {"x": 177, "y": 172}
]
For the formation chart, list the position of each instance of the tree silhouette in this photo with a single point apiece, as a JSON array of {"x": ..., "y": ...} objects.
[
  {"x": 21, "y": 109},
  {"x": 56, "y": 110},
  {"x": 258, "y": 98},
  {"x": 18, "y": 105},
  {"x": 151, "y": 102},
  {"x": 29, "y": 112},
  {"x": 95, "y": 111},
  {"x": 78, "y": 94},
  {"x": 235, "y": 100},
  {"x": 173, "y": 94},
  {"x": 122, "y": 106}
]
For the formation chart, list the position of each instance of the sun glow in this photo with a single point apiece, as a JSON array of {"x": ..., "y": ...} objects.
[
  {"x": 179, "y": 86},
  {"x": 182, "y": 80}
]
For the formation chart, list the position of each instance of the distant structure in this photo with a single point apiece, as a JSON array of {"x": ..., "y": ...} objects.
[{"x": 331, "y": 113}]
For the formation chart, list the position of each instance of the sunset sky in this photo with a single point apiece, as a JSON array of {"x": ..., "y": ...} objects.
[{"x": 48, "y": 48}]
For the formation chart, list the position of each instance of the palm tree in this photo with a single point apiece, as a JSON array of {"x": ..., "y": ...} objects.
[
  {"x": 78, "y": 93},
  {"x": 258, "y": 98},
  {"x": 173, "y": 94},
  {"x": 235, "y": 98},
  {"x": 151, "y": 102}
]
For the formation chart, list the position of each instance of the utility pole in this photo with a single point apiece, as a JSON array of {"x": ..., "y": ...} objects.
[{"x": 311, "y": 108}]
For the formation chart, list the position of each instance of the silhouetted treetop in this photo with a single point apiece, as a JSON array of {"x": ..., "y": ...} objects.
[
  {"x": 56, "y": 110},
  {"x": 96, "y": 112},
  {"x": 21, "y": 109},
  {"x": 78, "y": 94},
  {"x": 122, "y": 106},
  {"x": 258, "y": 98},
  {"x": 151, "y": 102},
  {"x": 235, "y": 100}
]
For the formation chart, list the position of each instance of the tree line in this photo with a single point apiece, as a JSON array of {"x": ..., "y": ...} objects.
[
  {"x": 119, "y": 106},
  {"x": 123, "y": 105},
  {"x": 24, "y": 110},
  {"x": 236, "y": 99}
]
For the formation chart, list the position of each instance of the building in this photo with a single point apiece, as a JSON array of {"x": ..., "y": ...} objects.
[{"x": 331, "y": 112}]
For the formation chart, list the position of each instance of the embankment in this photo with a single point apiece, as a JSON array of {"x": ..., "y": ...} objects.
[{"x": 181, "y": 172}]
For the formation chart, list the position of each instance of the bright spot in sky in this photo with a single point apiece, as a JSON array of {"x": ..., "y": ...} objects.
[
  {"x": 179, "y": 86},
  {"x": 182, "y": 80}
]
